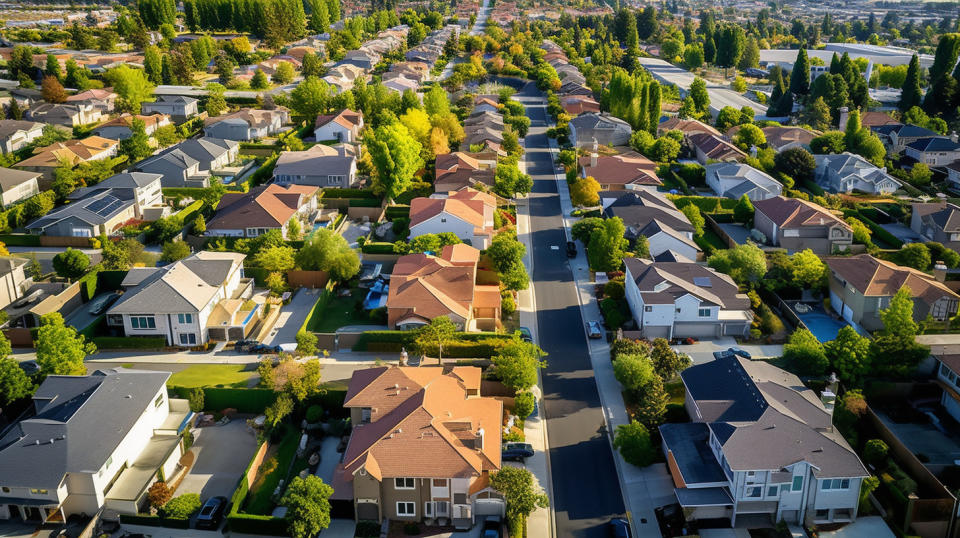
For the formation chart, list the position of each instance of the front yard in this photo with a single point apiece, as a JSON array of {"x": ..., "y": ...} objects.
[
  {"x": 341, "y": 312},
  {"x": 212, "y": 375}
]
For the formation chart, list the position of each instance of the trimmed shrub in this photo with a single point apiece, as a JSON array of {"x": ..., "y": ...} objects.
[
  {"x": 314, "y": 414},
  {"x": 523, "y": 404},
  {"x": 130, "y": 342},
  {"x": 182, "y": 507}
]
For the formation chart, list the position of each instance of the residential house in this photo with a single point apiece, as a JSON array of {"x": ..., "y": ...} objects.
[
  {"x": 846, "y": 172},
  {"x": 868, "y": 119},
  {"x": 685, "y": 299},
  {"x": 264, "y": 208},
  {"x": 247, "y": 124},
  {"x": 65, "y": 115},
  {"x": 13, "y": 281},
  {"x": 319, "y": 166},
  {"x": 733, "y": 180},
  {"x": 953, "y": 174},
  {"x": 102, "y": 99},
  {"x": 896, "y": 136},
  {"x": 579, "y": 104},
  {"x": 213, "y": 154},
  {"x": 760, "y": 444},
  {"x": 183, "y": 301},
  {"x": 937, "y": 221},
  {"x": 629, "y": 170},
  {"x": 650, "y": 214},
  {"x": 781, "y": 138},
  {"x": 73, "y": 152},
  {"x": 938, "y": 151},
  {"x": 687, "y": 127},
  {"x": 91, "y": 442},
  {"x": 460, "y": 170},
  {"x": 424, "y": 287},
  {"x": 16, "y": 134},
  {"x": 344, "y": 126},
  {"x": 105, "y": 207},
  {"x": 492, "y": 120},
  {"x": 468, "y": 214},
  {"x": 17, "y": 185},
  {"x": 712, "y": 148},
  {"x": 26, "y": 97},
  {"x": 575, "y": 87},
  {"x": 945, "y": 349},
  {"x": 177, "y": 169},
  {"x": 179, "y": 108},
  {"x": 796, "y": 224},
  {"x": 121, "y": 127},
  {"x": 399, "y": 414},
  {"x": 601, "y": 128},
  {"x": 861, "y": 286},
  {"x": 485, "y": 104},
  {"x": 401, "y": 84}
]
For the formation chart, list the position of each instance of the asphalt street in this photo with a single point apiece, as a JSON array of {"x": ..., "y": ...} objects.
[{"x": 586, "y": 488}]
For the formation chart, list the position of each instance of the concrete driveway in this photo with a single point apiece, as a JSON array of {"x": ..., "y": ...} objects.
[
  {"x": 292, "y": 317},
  {"x": 863, "y": 527},
  {"x": 702, "y": 351},
  {"x": 223, "y": 453},
  {"x": 903, "y": 233}
]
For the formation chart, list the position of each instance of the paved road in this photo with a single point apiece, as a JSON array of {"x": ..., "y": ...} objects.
[{"x": 585, "y": 482}]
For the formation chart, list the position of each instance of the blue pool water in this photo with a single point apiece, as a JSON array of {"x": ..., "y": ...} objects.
[{"x": 824, "y": 327}]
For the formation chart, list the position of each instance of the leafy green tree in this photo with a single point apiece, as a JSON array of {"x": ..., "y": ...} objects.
[
  {"x": 652, "y": 403},
  {"x": 800, "y": 76},
  {"x": 432, "y": 242},
  {"x": 744, "y": 263},
  {"x": 749, "y": 136},
  {"x": 817, "y": 114},
  {"x": 439, "y": 332},
  {"x": 849, "y": 355},
  {"x": 731, "y": 41},
  {"x": 71, "y": 264},
  {"x": 216, "y": 102},
  {"x": 521, "y": 493},
  {"x": 701, "y": 99},
  {"x": 583, "y": 229},
  {"x": 284, "y": 73},
  {"x": 120, "y": 255},
  {"x": 308, "y": 506},
  {"x": 693, "y": 57},
  {"x": 509, "y": 181},
  {"x": 634, "y": 443},
  {"x": 743, "y": 211},
  {"x": 306, "y": 342},
  {"x": 607, "y": 245},
  {"x": 14, "y": 382},
  {"x": 131, "y": 85},
  {"x": 808, "y": 269},
  {"x": 727, "y": 118},
  {"x": 60, "y": 350},
  {"x": 875, "y": 451},
  {"x": 507, "y": 253},
  {"x": 920, "y": 174},
  {"x": 153, "y": 64},
  {"x": 279, "y": 409},
  {"x": 325, "y": 250},
  {"x": 137, "y": 146},
  {"x": 259, "y": 80},
  {"x": 805, "y": 353},
  {"x": 915, "y": 255},
  {"x": 634, "y": 371},
  {"x": 182, "y": 506},
  {"x": 798, "y": 163},
  {"x": 396, "y": 158},
  {"x": 517, "y": 363},
  {"x": 275, "y": 259},
  {"x": 829, "y": 142},
  {"x": 667, "y": 362},
  {"x": 175, "y": 250},
  {"x": 898, "y": 316},
  {"x": 693, "y": 214}
]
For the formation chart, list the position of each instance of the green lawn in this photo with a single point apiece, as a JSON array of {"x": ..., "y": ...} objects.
[
  {"x": 712, "y": 238},
  {"x": 340, "y": 312},
  {"x": 211, "y": 375},
  {"x": 258, "y": 501}
]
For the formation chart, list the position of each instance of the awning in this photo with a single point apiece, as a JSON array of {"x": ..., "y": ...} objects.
[{"x": 690, "y": 497}]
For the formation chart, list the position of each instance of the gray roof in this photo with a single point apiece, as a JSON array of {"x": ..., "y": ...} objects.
[
  {"x": 175, "y": 156},
  {"x": 317, "y": 161},
  {"x": 593, "y": 120},
  {"x": 766, "y": 419},
  {"x": 207, "y": 148},
  {"x": 116, "y": 185},
  {"x": 80, "y": 421},
  {"x": 689, "y": 444},
  {"x": 10, "y": 178},
  {"x": 716, "y": 496},
  {"x": 749, "y": 179},
  {"x": 176, "y": 99},
  {"x": 682, "y": 279},
  {"x": 95, "y": 209},
  {"x": 11, "y": 127}
]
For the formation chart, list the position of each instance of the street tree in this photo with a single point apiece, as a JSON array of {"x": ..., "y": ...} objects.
[
  {"x": 517, "y": 363},
  {"x": 71, "y": 264},
  {"x": 607, "y": 245},
  {"x": 435, "y": 335},
  {"x": 634, "y": 443},
  {"x": 60, "y": 350},
  {"x": 520, "y": 492}
]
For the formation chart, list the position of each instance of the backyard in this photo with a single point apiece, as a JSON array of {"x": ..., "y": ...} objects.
[
  {"x": 340, "y": 311},
  {"x": 212, "y": 375},
  {"x": 274, "y": 469}
]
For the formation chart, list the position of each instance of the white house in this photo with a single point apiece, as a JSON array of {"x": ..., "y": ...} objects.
[
  {"x": 760, "y": 443},
  {"x": 178, "y": 300},
  {"x": 467, "y": 213},
  {"x": 938, "y": 151},
  {"x": 178, "y": 107},
  {"x": 684, "y": 299},
  {"x": 15, "y": 134},
  {"x": 344, "y": 126},
  {"x": 91, "y": 442},
  {"x": 846, "y": 172}
]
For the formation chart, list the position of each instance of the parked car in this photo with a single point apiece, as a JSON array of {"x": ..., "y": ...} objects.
[
  {"x": 525, "y": 334},
  {"x": 594, "y": 330},
  {"x": 491, "y": 527},
  {"x": 29, "y": 367},
  {"x": 101, "y": 304},
  {"x": 516, "y": 451},
  {"x": 619, "y": 528},
  {"x": 260, "y": 349},
  {"x": 211, "y": 513},
  {"x": 243, "y": 346},
  {"x": 33, "y": 296},
  {"x": 571, "y": 249},
  {"x": 740, "y": 352},
  {"x": 671, "y": 520}
]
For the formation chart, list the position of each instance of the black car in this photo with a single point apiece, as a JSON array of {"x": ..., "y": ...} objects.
[
  {"x": 29, "y": 367},
  {"x": 260, "y": 349},
  {"x": 491, "y": 527},
  {"x": 212, "y": 513},
  {"x": 619, "y": 528},
  {"x": 571, "y": 249},
  {"x": 243, "y": 346},
  {"x": 516, "y": 451},
  {"x": 741, "y": 352}
]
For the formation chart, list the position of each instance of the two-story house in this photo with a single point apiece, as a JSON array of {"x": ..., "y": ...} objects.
[
  {"x": 264, "y": 208},
  {"x": 102, "y": 99},
  {"x": 179, "y": 108},
  {"x": 319, "y": 166},
  {"x": 629, "y": 170},
  {"x": 75, "y": 151},
  {"x": 179, "y": 300},
  {"x": 343, "y": 126},
  {"x": 939, "y": 151},
  {"x": 601, "y": 128},
  {"x": 846, "y": 172},
  {"x": 733, "y": 180},
  {"x": 91, "y": 442},
  {"x": 937, "y": 221},
  {"x": 247, "y": 124},
  {"x": 797, "y": 224},
  {"x": 861, "y": 286},
  {"x": 684, "y": 299},
  {"x": 65, "y": 115},
  {"x": 896, "y": 136},
  {"x": 760, "y": 444},
  {"x": 468, "y": 214},
  {"x": 17, "y": 185},
  {"x": 650, "y": 214},
  {"x": 176, "y": 168},
  {"x": 423, "y": 445},
  {"x": 461, "y": 170},
  {"x": 15, "y": 134}
]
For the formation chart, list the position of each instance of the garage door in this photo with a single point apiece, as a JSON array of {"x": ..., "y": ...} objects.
[
  {"x": 695, "y": 330},
  {"x": 368, "y": 510},
  {"x": 653, "y": 331},
  {"x": 489, "y": 507},
  {"x": 710, "y": 512}
]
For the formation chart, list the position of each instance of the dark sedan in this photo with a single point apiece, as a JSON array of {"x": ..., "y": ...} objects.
[
  {"x": 211, "y": 514},
  {"x": 516, "y": 451},
  {"x": 619, "y": 528}
]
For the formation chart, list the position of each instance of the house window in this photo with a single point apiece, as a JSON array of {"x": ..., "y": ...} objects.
[
  {"x": 81, "y": 232},
  {"x": 156, "y": 403},
  {"x": 784, "y": 488},
  {"x": 37, "y": 491},
  {"x": 648, "y": 309},
  {"x": 772, "y": 491},
  {"x": 443, "y": 508},
  {"x": 823, "y": 513},
  {"x": 704, "y": 312},
  {"x": 439, "y": 482},
  {"x": 408, "y": 509},
  {"x": 335, "y": 180},
  {"x": 365, "y": 415},
  {"x": 143, "y": 322},
  {"x": 797, "y": 483},
  {"x": 185, "y": 318},
  {"x": 188, "y": 339},
  {"x": 403, "y": 483},
  {"x": 754, "y": 491},
  {"x": 836, "y": 484}
]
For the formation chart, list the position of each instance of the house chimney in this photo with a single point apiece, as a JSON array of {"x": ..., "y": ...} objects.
[
  {"x": 829, "y": 397},
  {"x": 953, "y": 136},
  {"x": 479, "y": 442},
  {"x": 940, "y": 271},
  {"x": 593, "y": 158}
]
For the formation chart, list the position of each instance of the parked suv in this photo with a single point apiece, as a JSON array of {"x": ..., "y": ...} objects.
[{"x": 212, "y": 513}]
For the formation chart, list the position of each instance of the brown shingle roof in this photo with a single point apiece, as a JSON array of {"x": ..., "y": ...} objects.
[
  {"x": 794, "y": 212},
  {"x": 628, "y": 168},
  {"x": 879, "y": 278},
  {"x": 268, "y": 206}
]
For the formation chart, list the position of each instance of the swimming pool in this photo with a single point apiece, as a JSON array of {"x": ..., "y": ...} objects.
[{"x": 824, "y": 327}]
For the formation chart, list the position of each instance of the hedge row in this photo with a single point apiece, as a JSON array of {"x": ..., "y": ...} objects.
[
  {"x": 333, "y": 192},
  {"x": 364, "y": 202},
  {"x": 243, "y": 400},
  {"x": 374, "y": 247},
  {"x": 186, "y": 192},
  {"x": 397, "y": 211},
  {"x": 155, "y": 521},
  {"x": 322, "y": 301},
  {"x": 254, "y": 524},
  {"x": 811, "y": 186},
  {"x": 20, "y": 240},
  {"x": 130, "y": 342},
  {"x": 707, "y": 204},
  {"x": 89, "y": 282}
]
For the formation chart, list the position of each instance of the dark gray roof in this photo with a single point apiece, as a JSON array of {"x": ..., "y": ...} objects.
[
  {"x": 80, "y": 421},
  {"x": 688, "y": 442},
  {"x": 181, "y": 287},
  {"x": 703, "y": 496},
  {"x": 682, "y": 279},
  {"x": 94, "y": 209},
  {"x": 207, "y": 148},
  {"x": 11, "y": 127}
]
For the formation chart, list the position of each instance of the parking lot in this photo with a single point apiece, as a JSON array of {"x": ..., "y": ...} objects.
[{"x": 222, "y": 453}]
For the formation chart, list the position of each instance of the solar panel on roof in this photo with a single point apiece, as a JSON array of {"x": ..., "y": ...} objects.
[
  {"x": 97, "y": 205},
  {"x": 702, "y": 281},
  {"x": 115, "y": 205}
]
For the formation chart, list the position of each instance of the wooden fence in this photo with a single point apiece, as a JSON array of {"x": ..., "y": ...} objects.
[{"x": 307, "y": 279}]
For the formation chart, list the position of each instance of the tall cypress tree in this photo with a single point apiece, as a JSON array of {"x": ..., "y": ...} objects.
[
  {"x": 835, "y": 64},
  {"x": 800, "y": 76},
  {"x": 653, "y": 114},
  {"x": 911, "y": 86}
]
